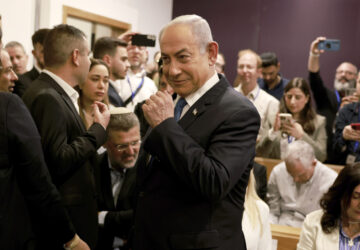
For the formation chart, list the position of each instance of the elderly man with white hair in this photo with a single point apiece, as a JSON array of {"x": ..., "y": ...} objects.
[{"x": 296, "y": 185}]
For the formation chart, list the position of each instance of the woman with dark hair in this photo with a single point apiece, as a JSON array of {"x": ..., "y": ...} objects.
[
  {"x": 302, "y": 123},
  {"x": 95, "y": 88},
  {"x": 337, "y": 224}
]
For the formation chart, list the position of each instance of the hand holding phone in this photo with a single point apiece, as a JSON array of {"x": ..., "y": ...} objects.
[
  {"x": 329, "y": 44},
  {"x": 143, "y": 40},
  {"x": 355, "y": 126}
]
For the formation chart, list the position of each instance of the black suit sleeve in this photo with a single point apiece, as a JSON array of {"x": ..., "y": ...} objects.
[
  {"x": 64, "y": 153},
  {"x": 211, "y": 172},
  {"x": 261, "y": 181},
  {"x": 40, "y": 194}
]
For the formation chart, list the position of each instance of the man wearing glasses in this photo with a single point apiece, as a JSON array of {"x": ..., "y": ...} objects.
[
  {"x": 116, "y": 178},
  {"x": 328, "y": 101}
]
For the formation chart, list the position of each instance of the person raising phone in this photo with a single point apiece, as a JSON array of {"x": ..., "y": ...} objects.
[
  {"x": 305, "y": 124},
  {"x": 347, "y": 134}
]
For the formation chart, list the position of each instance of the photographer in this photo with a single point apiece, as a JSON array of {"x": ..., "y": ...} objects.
[
  {"x": 347, "y": 134},
  {"x": 327, "y": 100}
]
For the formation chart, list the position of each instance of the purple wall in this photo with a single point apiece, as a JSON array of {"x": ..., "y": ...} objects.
[{"x": 286, "y": 27}]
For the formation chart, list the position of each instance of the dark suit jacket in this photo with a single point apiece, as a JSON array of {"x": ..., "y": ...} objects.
[
  {"x": 261, "y": 180},
  {"x": 119, "y": 219},
  {"x": 26, "y": 191},
  {"x": 192, "y": 195},
  {"x": 25, "y": 81},
  {"x": 114, "y": 97},
  {"x": 68, "y": 151}
]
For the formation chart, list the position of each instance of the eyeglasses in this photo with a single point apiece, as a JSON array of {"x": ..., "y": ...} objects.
[
  {"x": 123, "y": 147},
  {"x": 346, "y": 72}
]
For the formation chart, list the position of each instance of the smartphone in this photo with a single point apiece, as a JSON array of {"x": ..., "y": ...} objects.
[
  {"x": 355, "y": 126},
  {"x": 350, "y": 91},
  {"x": 285, "y": 118},
  {"x": 143, "y": 40},
  {"x": 329, "y": 44}
]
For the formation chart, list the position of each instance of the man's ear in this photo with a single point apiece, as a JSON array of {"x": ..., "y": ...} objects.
[
  {"x": 75, "y": 55},
  {"x": 212, "y": 50},
  {"x": 107, "y": 59},
  {"x": 259, "y": 71}
]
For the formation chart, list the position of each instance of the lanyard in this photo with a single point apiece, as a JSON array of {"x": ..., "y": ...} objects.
[
  {"x": 290, "y": 139},
  {"x": 134, "y": 92}
]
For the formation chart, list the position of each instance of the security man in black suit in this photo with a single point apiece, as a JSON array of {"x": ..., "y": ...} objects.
[
  {"x": 68, "y": 148},
  {"x": 26, "y": 79}
]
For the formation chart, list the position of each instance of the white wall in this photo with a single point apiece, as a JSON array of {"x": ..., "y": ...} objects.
[{"x": 18, "y": 16}]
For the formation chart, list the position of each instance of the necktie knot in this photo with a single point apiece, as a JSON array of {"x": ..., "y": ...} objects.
[{"x": 178, "y": 108}]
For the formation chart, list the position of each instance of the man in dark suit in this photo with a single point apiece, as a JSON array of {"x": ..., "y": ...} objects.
[
  {"x": 113, "y": 52},
  {"x": 26, "y": 79},
  {"x": 31, "y": 212},
  {"x": 193, "y": 173},
  {"x": 116, "y": 179},
  {"x": 68, "y": 147}
]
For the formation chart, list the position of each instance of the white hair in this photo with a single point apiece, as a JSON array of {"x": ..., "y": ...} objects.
[
  {"x": 199, "y": 26},
  {"x": 301, "y": 151}
]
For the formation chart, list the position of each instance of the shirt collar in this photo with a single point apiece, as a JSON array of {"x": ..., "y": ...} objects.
[
  {"x": 193, "y": 97},
  {"x": 37, "y": 68},
  {"x": 113, "y": 169},
  {"x": 252, "y": 95}
]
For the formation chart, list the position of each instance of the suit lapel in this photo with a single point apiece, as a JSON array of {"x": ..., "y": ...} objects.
[
  {"x": 106, "y": 183},
  {"x": 66, "y": 99},
  {"x": 201, "y": 105}
]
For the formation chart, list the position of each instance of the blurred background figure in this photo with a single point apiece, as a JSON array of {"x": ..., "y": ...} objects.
[
  {"x": 297, "y": 184},
  {"x": 272, "y": 81},
  {"x": 95, "y": 88},
  {"x": 7, "y": 74},
  {"x": 337, "y": 224},
  {"x": 18, "y": 56},
  {"x": 26, "y": 79},
  {"x": 255, "y": 221},
  {"x": 305, "y": 124},
  {"x": 220, "y": 64}
]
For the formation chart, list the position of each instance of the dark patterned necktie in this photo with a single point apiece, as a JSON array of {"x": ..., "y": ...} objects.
[{"x": 178, "y": 108}]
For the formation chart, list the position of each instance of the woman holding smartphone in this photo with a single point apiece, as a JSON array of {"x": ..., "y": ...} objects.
[{"x": 304, "y": 123}]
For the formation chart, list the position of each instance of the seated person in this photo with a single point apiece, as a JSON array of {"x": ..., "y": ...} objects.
[
  {"x": 337, "y": 224},
  {"x": 272, "y": 82},
  {"x": 115, "y": 181},
  {"x": 305, "y": 124},
  {"x": 255, "y": 222},
  {"x": 328, "y": 100},
  {"x": 296, "y": 185},
  {"x": 346, "y": 138}
]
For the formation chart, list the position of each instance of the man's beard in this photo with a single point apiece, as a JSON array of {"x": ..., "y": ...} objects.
[{"x": 342, "y": 86}]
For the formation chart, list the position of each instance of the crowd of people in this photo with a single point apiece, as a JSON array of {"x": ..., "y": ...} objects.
[{"x": 104, "y": 150}]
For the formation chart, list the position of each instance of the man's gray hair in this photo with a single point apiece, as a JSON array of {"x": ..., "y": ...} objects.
[
  {"x": 199, "y": 26},
  {"x": 122, "y": 122},
  {"x": 14, "y": 44},
  {"x": 302, "y": 151}
]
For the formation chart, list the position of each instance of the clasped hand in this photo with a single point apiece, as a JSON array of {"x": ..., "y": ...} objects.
[{"x": 158, "y": 108}]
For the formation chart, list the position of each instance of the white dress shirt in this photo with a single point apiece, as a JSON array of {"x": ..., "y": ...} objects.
[
  {"x": 128, "y": 86},
  {"x": 193, "y": 97},
  {"x": 290, "y": 202}
]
